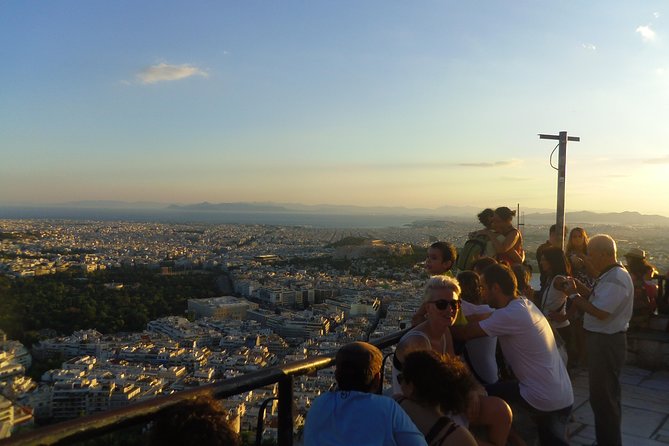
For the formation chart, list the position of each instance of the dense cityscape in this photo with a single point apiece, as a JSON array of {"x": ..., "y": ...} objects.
[{"x": 264, "y": 295}]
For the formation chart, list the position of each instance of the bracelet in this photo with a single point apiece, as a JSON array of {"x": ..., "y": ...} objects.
[{"x": 574, "y": 296}]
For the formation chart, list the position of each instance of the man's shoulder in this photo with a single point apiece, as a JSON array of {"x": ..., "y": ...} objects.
[
  {"x": 353, "y": 397},
  {"x": 519, "y": 304},
  {"x": 518, "y": 309},
  {"x": 469, "y": 308},
  {"x": 544, "y": 245},
  {"x": 322, "y": 399},
  {"x": 514, "y": 308},
  {"x": 617, "y": 274}
]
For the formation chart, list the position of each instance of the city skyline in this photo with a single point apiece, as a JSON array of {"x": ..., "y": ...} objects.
[{"x": 367, "y": 104}]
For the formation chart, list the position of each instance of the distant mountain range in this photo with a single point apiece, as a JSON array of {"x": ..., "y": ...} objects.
[
  {"x": 620, "y": 218},
  {"x": 460, "y": 213},
  {"x": 457, "y": 212}
]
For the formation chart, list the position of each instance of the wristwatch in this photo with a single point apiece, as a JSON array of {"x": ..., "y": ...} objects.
[{"x": 574, "y": 296}]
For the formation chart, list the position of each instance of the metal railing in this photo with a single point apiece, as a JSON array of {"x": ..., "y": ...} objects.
[{"x": 91, "y": 426}]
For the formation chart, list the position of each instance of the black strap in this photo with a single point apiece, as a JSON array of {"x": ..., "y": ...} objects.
[
  {"x": 396, "y": 362},
  {"x": 437, "y": 427}
]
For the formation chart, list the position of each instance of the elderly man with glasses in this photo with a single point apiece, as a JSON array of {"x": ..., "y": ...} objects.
[{"x": 608, "y": 308}]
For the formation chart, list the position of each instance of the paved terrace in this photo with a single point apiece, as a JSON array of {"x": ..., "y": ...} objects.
[{"x": 645, "y": 408}]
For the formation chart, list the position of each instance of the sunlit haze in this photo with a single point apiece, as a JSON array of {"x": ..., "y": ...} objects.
[{"x": 374, "y": 103}]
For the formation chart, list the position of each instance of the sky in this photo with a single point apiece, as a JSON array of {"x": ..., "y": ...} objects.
[{"x": 371, "y": 103}]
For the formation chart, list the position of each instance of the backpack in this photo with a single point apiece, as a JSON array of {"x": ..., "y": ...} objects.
[{"x": 471, "y": 252}]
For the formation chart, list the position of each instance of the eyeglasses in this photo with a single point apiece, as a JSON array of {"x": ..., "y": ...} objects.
[{"x": 443, "y": 304}]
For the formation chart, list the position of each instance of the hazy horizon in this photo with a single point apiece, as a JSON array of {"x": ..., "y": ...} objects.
[
  {"x": 356, "y": 103},
  {"x": 316, "y": 216},
  {"x": 294, "y": 206}
]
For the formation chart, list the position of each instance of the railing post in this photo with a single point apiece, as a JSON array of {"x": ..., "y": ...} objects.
[
  {"x": 260, "y": 426},
  {"x": 285, "y": 434}
]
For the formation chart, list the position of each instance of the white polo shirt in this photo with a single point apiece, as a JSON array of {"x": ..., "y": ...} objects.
[{"x": 614, "y": 293}]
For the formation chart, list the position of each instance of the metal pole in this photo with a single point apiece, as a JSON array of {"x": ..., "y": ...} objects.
[
  {"x": 562, "y": 166},
  {"x": 562, "y": 174},
  {"x": 285, "y": 434}
]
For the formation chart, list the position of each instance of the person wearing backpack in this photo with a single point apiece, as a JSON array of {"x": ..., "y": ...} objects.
[{"x": 478, "y": 244}]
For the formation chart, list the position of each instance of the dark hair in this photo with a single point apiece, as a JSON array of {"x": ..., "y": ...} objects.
[
  {"x": 638, "y": 267},
  {"x": 505, "y": 213},
  {"x": 197, "y": 422},
  {"x": 557, "y": 261},
  {"x": 470, "y": 284},
  {"x": 553, "y": 229},
  {"x": 448, "y": 251},
  {"x": 523, "y": 275},
  {"x": 438, "y": 380},
  {"x": 485, "y": 217},
  {"x": 357, "y": 365},
  {"x": 501, "y": 275},
  {"x": 482, "y": 263}
]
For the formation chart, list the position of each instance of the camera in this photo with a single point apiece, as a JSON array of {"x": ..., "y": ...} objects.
[{"x": 563, "y": 283}]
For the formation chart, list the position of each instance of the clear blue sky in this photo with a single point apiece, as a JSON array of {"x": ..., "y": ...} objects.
[{"x": 415, "y": 104}]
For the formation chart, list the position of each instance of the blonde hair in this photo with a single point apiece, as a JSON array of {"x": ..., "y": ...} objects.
[{"x": 441, "y": 282}]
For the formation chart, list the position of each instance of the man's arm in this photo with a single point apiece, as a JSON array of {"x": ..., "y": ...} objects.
[
  {"x": 575, "y": 286},
  {"x": 405, "y": 431},
  {"x": 583, "y": 304},
  {"x": 466, "y": 332}
]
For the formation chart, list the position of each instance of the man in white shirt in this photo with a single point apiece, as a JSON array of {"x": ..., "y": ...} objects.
[
  {"x": 608, "y": 309},
  {"x": 543, "y": 386}
]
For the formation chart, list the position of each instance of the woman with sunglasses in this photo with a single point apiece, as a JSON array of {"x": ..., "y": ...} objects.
[{"x": 442, "y": 303}]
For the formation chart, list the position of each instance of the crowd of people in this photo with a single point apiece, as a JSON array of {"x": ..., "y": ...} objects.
[
  {"x": 487, "y": 351},
  {"x": 486, "y": 348}
]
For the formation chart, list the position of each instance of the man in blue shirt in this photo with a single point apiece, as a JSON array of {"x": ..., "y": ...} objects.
[{"x": 354, "y": 414}]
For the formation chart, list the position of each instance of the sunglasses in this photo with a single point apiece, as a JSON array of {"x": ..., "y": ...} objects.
[
  {"x": 443, "y": 304},
  {"x": 400, "y": 378}
]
